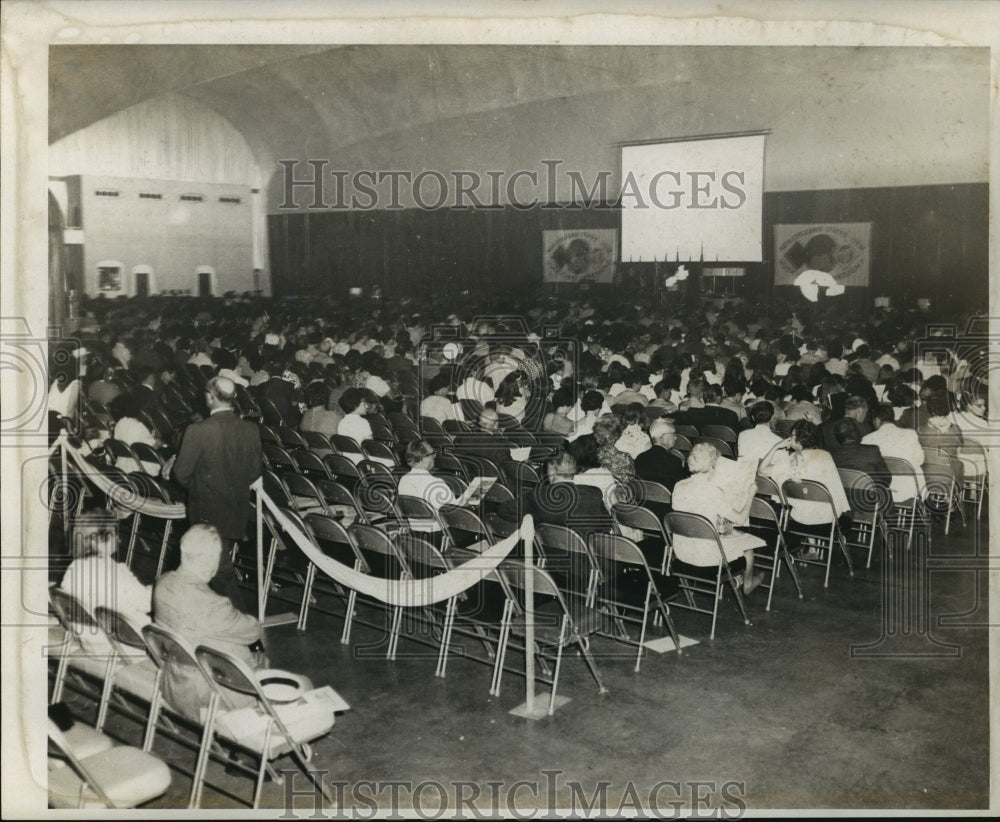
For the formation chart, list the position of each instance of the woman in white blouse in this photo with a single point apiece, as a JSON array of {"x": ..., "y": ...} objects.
[{"x": 96, "y": 579}]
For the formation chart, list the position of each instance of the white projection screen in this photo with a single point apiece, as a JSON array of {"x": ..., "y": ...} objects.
[{"x": 693, "y": 199}]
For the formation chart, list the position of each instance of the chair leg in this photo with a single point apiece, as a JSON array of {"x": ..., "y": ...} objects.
[
  {"x": 505, "y": 621},
  {"x": 738, "y": 594},
  {"x": 345, "y": 637},
  {"x": 201, "y": 765},
  {"x": 446, "y": 629},
  {"x": 306, "y": 593},
  {"x": 265, "y": 751},
  {"x": 108, "y": 687}
]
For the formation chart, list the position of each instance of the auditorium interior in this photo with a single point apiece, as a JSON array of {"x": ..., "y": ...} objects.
[{"x": 403, "y": 218}]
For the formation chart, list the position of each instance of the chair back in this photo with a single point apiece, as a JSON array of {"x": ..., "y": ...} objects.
[
  {"x": 345, "y": 445},
  {"x": 71, "y": 613},
  {"x": 431, "y": 425},
  {"x": 276, "y": 457},
  {"x": 145, "y": 452},
  {"x": 375, "y": 450},
  {"x": 720, "y": 432},
  {"x": 806, "y": 490},
  {"x": 693, "y": 526},
  {"x": 228, "y": 671},
  {"x": 761, "y": 510},
  {"x": 608, "y": 548},
  {"x": 767, "y": 487},
  {"x": 379, "y": 551},
  {"x": 519, "y": 475},
  {"x": 275, "y": 488},
  {"x": 336, "y": 494},
  {"x": 682, "y": 443},
  {"x": 334, "y": 540},
  {"x": 642, "y": 491},
  {"x": 635, "y": 516},
  {"x": 686, "y": 430},
  {"x": 341, "y": 468},
  {"x": 122, "y": 631},
  {"x": 310, "y": 464},
  {"x": 415, "y": 508},
  {"x": 167, "y": 647},
  {"x": 863, "y": 494},
  {"x": 317, "y": 443},
  {"x": 290, "y": 438},
  {"x": 382, "y": 432},
  {"x": 724, "y": 448},
  {"x": 465, "y": 528},
  {"x": 301, "y": 486},
  {"x": 267, "y": 434}
]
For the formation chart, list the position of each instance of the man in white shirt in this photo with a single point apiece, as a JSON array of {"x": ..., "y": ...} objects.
[
  {"x": 438, "y": 405},
  {"x": 755, "y": 443},
  {"x": 900, "y": 443},
  {"x": 419, "y": 482}
]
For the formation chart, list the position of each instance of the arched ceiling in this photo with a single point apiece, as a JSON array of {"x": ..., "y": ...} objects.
[{"x": 308, "y": 101}]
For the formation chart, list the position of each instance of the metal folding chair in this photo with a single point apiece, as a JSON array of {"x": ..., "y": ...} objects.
[
  {"x": 630, "y": 590},
  {"x": 812, "y": 491},
  {"x": 117, "y": 777},
  {"x": 703, "y": 580},
  {"x": 556, "y": 626}
]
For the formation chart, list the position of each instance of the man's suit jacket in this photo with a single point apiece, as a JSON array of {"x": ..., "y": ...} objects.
[
  {"x": 218, "y": 459},
  {"x": 186, "y": 605},
  {"x": 710, "y": 415},
  {"x": 830, "y": 441},
  {"x": 658, "y": 465},
  {"x": 867, "y": 458},
  {"x": 579, "y": 507}
]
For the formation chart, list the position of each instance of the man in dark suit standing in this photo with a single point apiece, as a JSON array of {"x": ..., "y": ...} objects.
[
  {"x": 658, "y": 464},
  {"x": 219, "y": 459}
]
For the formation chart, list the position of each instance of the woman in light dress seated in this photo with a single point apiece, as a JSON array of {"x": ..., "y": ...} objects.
[
  {"x": 96, "y": 579},
  {"x": 707, "y": 494}
]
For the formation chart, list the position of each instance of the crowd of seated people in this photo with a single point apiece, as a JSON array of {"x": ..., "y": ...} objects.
[{"x": 624, "y": 392}]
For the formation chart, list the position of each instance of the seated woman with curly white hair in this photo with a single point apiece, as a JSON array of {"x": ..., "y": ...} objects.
[{"x": 704, "y": 494}]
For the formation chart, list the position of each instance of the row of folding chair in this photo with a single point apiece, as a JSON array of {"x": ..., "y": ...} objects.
[{"x": 130, "y": 676}]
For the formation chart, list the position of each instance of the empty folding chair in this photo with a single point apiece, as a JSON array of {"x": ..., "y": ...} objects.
[
  {"x": 310, "y": 464},
  {"x": 630, "y": 590},
  {"x": 317, "y": 443},
  {"x": 382, "y": 432},
  {"x": 267, "y": 434},
  {"x": 379, "y": 452},
  {"x": 708, "y": 579},
  {"x": 386, "y": 562},
  {"x": 477, "y": 613},
  {"x": 274, "y": 733},
  {"x": 116, "y": 777},
  {"x": 277, "y": 457},
  {"x": 556, "y": 627},
  {"x": 569, "y": 562},
  {"x": 340, "y": 502},
  {"x": 336, "y": 542},
  {"x": 342, "y": 469},
  {"x": 465, "y": 528},
  {"x": 85, "y": 650},
  {"x": 290, "y": 438},
  {"x": 150, "y": 458},
  {"x": 943, "y": 481},
  {"x": 688, "y": 431},
  {"x": 347, "y": 446},
  {"x": 304, "y": 494}
]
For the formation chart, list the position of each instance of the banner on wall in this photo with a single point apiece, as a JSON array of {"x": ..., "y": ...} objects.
[
  {"x": 841, "y": 249},
  {"x": 581, "y": 255}
]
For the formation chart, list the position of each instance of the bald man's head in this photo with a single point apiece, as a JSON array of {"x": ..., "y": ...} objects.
[{"x": 663, "y": 433}]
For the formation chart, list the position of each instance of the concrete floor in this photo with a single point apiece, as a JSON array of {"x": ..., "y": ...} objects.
[{"x": 778, "y": 715}]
